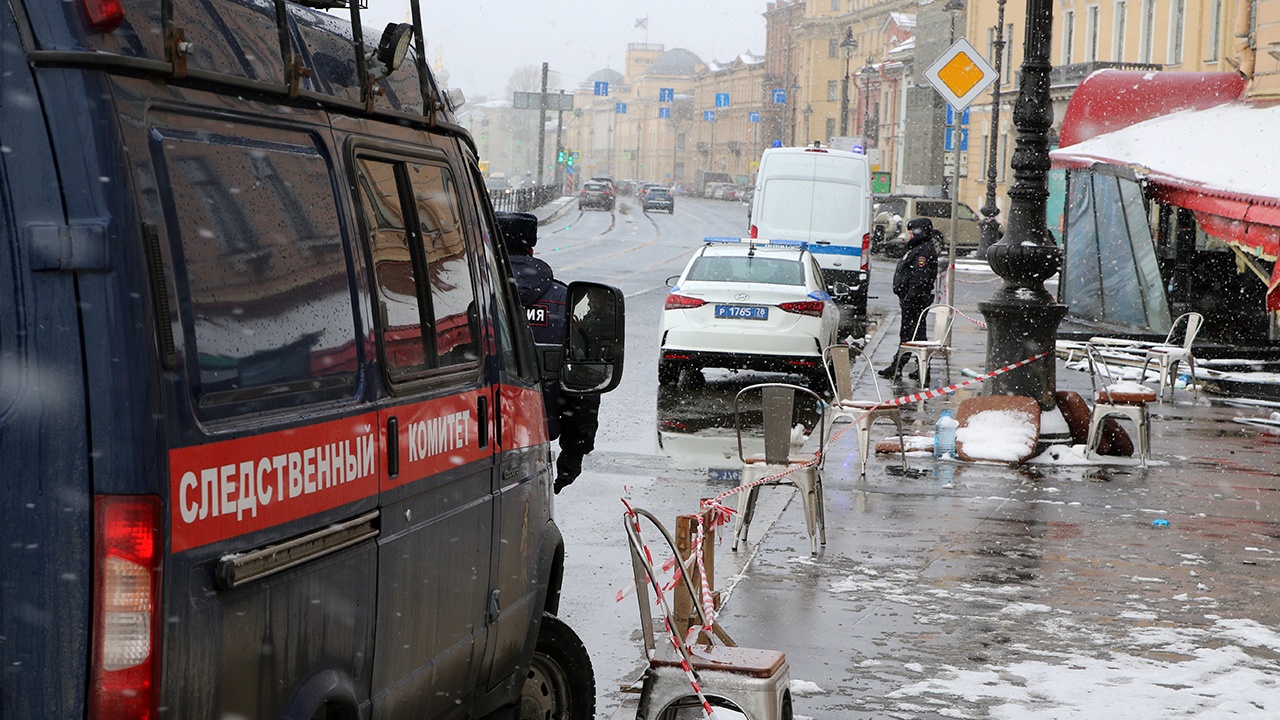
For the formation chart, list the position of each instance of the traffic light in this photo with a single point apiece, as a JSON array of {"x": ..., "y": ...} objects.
[
  {"x": 560, "y": 156},
  {"x": 570, "y": 157}
]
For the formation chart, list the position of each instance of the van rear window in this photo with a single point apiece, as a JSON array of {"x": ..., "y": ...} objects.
[
  {"x": 268, "y": 305},
  {"x": 804, "y": 206}
]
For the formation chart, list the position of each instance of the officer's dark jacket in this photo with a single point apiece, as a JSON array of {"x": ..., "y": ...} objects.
[
  {"x": 916, "y": 274},
  {"x": 543, "y": 298}
]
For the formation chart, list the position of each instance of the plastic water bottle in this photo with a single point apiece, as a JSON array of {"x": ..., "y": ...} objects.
[
  {"x": 1181, "y": 382},
  {"x": 944, "y": 435}
]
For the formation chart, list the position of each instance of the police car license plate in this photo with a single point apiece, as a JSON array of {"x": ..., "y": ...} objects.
[{"x": 743, "y": 312}]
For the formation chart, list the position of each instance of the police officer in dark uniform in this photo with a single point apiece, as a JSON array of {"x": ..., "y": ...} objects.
[
  {"x": 913, "y": 283},
  {"x": 573, "y": 419}
]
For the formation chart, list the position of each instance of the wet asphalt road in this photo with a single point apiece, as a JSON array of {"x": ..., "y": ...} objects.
[{"x": 950, "y": 591}]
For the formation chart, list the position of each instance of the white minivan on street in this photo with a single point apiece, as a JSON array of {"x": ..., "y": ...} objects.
[{"x": 822, "y": 197}]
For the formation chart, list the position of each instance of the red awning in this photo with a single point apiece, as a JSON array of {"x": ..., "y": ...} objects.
[{"x": 1196, "y": 144}]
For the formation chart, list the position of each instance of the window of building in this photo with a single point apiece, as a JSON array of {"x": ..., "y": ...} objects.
[
  {"x": 1091, "y": 34},
  {"x": 1118, "y": 25},
  {"x": 835, "y": 5},
  {"x": 1148, "y": 30},
  {"x": 1068, "y": 35},
  {"x": 1177, "y": 25},
  {"x": 1006, "y": 76},
  {"x": 833, "y": 48},
  {"x": 1215, "y": 30},
  {"x": 831, "y": 127},
  {"x": 833, "y": 90}
]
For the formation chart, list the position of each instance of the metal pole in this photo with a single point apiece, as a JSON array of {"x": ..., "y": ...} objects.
[
  {"x": 844, "y": 95},
  {"x": 989, "y": 231},
  {"x": 542, "y": 124},
  {"x": 560, "y": 143}
]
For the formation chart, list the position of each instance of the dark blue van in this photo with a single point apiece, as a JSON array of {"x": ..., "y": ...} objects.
[{"x": 272, "y": 443}]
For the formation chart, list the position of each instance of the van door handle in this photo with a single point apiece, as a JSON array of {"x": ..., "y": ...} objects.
[
  {"x": 497, "y": 417},
  {"x": 822, "y": 242},
  {"x": 393, "y": 447},
  {"x": 482, "y": 413}
]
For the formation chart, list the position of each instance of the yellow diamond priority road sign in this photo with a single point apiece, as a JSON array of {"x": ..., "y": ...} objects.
[{"x": 960, "y": 74}]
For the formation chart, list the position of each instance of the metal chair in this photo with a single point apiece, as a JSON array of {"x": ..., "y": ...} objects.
[
  {"x": 1168, "y": 355},
  {"x": 755, "y": 683},
  {"x": 778, "y": 405},
  {"x": 1126, "y": 399},
  {"x": 925, "y": 350},
  {"x": 863, "y": 413}
]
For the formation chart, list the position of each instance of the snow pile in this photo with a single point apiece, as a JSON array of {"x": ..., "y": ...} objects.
[{"x": 999, "y": 435}]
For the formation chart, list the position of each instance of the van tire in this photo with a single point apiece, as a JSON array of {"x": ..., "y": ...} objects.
[{"x": 560, "y": 683}]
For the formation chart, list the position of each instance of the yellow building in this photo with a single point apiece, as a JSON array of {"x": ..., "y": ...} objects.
[{"x": 1175, "y": 35}]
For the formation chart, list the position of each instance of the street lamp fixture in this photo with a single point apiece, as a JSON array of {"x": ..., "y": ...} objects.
[{"x": 850, "y": 43}]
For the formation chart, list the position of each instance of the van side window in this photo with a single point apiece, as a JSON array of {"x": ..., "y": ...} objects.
[
  {"x": 426, "y": 296},
  {"x": 270, "y": 319},
  {"x": 513, "y": 340},
  {"x": 453, "y": 297}
]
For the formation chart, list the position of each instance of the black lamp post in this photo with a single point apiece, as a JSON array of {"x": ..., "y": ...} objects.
[
  {"x": 1022, "y": 317},
  {"x": 989, "y": 230},
  {"x": 849, "y": 44}
]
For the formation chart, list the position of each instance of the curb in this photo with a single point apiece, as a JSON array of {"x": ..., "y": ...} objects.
[{"x": 558, "y": 212}]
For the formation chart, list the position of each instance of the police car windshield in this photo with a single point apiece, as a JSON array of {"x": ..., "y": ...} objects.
[{"x": 766, "y": 270}]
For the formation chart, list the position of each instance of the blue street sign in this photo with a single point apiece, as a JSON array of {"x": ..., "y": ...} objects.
[
  {"x": 602, "y": 88},
  {"x": 666, "y": 94},
  {"x": 664, "y": 113},
  {"x": 951, "y": 116},
  {"x": 620, "y": 108},
  {"x": 949, "y": 139},
  {"x": 709, "y": 115},
  {"x": 722, "y": 99},
  {"x": 779, "y": 96},
  {"x": 753, "y": 117}
]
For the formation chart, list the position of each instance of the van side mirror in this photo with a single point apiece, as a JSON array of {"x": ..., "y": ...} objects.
[{"x": 595, "y": 339}]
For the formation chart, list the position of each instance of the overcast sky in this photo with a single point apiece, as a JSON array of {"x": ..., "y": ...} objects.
[{"x": 483, "y": 41}]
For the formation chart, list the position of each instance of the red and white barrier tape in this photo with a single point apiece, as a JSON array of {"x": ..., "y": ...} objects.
[
  {"x": 679, "y": 647},
  {"x": 975, "y": 321}
]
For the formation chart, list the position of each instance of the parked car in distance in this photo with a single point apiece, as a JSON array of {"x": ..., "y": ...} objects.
[
  {"x": 892, "y": 213},
  {"x": 747, "y": 304},
  {"x": 595, "y": 195},
  {"x": 658, "y": 198}
]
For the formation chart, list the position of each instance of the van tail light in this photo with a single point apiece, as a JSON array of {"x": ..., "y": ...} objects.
[
  {"x": 104, "y": 15},
  {"x": 804, "y": 307},
  {"x": 755, "y": 232},
  {"x": 866, "y": 251},
  {"x": 682, "y": 302},
  {"x": 126, "y": 607}
]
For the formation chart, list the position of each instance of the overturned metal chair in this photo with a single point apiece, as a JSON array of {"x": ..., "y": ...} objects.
[
  {"x": 778, "y": 405},
  {"x": 863, "y": 413},
  {"x": 1126, "y": 399},
  {"x": 755, "y": 683}
]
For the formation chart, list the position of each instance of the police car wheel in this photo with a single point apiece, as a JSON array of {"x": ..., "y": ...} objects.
[{"x": 560, "y": 683}]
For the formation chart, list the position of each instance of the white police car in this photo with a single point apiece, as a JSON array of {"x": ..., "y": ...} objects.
[{"x": 747, "y": 304}]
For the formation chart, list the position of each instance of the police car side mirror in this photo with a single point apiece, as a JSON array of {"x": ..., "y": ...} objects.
[
  {"x": 595, "y": 339},
  {"x": 671, "y": 281}
]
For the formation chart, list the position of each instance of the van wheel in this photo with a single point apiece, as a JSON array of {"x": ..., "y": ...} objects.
[{"x": 560, "y": 683}]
